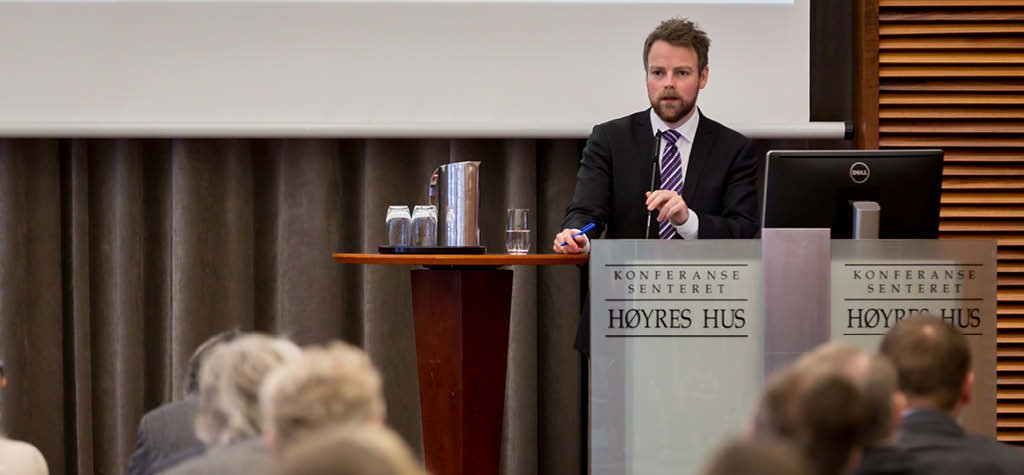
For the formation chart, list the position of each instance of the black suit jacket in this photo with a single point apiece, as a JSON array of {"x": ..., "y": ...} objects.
[
  {"x": 615, "y": 173},
  {"x": 885, "y": 460},
  {"x": 164, "y": 431},
  {"x": 941, "y": 446}
]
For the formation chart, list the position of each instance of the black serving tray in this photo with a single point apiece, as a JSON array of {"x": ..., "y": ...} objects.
[{"x": 432, "y": 250}]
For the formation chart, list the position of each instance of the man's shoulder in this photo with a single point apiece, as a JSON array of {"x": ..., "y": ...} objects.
[
  {"x": 11, "y": 446},
  {"x": 1001, "y": 452},
  {"x": 173, "y": 414},
  {"x": 23, "y": 456},
  {"x": 173, "y": 411}
]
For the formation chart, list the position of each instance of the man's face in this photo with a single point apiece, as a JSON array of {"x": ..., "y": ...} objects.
[{"x": 673, "y": 81}]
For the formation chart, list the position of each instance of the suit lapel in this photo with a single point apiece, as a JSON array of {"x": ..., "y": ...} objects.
[
  {"x": 644, "y": 135},
  {"x": 700, "y": 154}
]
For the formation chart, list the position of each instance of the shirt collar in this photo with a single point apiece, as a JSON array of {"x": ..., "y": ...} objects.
[{"x": 688, "y": 129}]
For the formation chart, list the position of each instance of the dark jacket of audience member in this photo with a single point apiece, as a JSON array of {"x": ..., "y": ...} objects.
[
  {"x": 163, "y": 432},
  {"x": 886, "y": 460},
  {"x": 933, "y": 361},
  {"x": 941, "y": 446},
  {"x": 167, "y": 432}
]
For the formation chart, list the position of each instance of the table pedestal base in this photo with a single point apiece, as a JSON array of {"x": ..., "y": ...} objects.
[{"x": 462, "y": 326}]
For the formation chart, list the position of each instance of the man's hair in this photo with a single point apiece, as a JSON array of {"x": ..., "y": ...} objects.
[
  {"x": 202, "y": 351},
  {"x": 872, "y": 375},
  {"x": 683, "y": 33},
  {"x": 931, "y": 357},
  {"x": 833, "y": 420},
  {"x": 229, "y": 384},
  {"x": 776, "y": 411},
  {"x": 822, "y": 404},
  {"x": 351, "y": 449},
  {"x": 765, "y": 456},
  {"x": 326, "y": 385}
]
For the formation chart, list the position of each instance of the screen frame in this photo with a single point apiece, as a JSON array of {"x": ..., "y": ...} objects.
[{"x": 928, "y": 197}]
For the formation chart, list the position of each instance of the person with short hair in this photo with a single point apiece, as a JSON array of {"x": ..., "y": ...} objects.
[
  {"x": 166, "y": 434},
  {"x": 326, "y": 386},
  {"x": 828, "y": 404},
  {"x": 228, "y": 420},
  {"x": 933, "y": 361},
  {"x": 17, "y": 457},
  {"x": 708, "y": 172},
  {"x": 351, "y": 449}
]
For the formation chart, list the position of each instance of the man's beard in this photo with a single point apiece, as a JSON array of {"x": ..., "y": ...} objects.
[{"x": 671, "y": 115}]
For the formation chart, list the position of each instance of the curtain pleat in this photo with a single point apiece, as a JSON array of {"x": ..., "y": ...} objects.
[{"x": 119, "y": 256}]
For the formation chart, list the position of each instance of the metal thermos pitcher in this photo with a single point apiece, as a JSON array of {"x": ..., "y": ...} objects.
[{"x": 455, "y": 190}]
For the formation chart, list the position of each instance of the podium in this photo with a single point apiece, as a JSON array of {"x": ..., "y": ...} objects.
[
  {"x": 683, "y": 333},
  {"x": 461, "y": 309}
]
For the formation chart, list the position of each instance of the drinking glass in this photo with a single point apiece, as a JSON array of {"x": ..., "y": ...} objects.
[
  {"x": 517, "y": 234},
  {"x": 424, "y": 226},
  {"x": 398, "y": 225}
]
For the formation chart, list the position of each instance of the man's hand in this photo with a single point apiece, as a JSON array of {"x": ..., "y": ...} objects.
[
  {"x": 574, "y": 246},
  {"x": 670, "y": 206}
]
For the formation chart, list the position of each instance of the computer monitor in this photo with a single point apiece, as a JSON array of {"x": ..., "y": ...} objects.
[{"x": 816, "y": 189}]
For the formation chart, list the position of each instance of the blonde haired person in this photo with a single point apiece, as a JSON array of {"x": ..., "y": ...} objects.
[
  {"x": 326, "y": 386},
  {"x": 352, "y": 449},
  {"x": 228, "y": 421}
]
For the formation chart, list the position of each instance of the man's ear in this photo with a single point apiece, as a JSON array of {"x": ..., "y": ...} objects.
[
  {"x": 704, "y": 77},
  {"x": 3, "y": 382}
]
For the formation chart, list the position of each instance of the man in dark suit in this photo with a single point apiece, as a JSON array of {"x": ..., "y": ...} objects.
[
  {"x": 167, "y": 432},
  {"x": 933, "y": 362},
  {"x": 706, "y": 173}
]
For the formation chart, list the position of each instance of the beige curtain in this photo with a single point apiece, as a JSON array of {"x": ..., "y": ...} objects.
[{"x": 117, "y": 257}]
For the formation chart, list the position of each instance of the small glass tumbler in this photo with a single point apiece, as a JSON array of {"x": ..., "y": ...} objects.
[
  {"x": 517, "y": 233},
  {"x": 424, "y": 226},
  {"x": 398, "y": 225}
]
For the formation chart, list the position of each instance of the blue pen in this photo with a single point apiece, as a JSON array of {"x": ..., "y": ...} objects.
[{"x": 582, "y": 231}]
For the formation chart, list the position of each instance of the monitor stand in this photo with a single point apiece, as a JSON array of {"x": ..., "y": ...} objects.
[{"x": 866, "y": 216}]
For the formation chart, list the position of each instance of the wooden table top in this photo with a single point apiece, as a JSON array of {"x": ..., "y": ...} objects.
[{"x": 462, "y": 259}]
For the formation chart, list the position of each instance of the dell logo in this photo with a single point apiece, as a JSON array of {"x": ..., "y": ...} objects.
[{"x": 859, "y": 172}]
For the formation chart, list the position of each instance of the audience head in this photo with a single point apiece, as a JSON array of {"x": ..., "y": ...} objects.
[
  {"x": 765, "y": 456},
  {"x": 202, "y": 351},
  {"x": 351, "y": 449},
  {"x": 229, "y": 384},
  {"x": 3, "y": 377},
  {"x": 873, "y": 375},
  {"x": 832, "y": 418},
  {"x": 933, "y": 362},
  {"x": 326, "y": 386},
  {"x": 831, "y": 405},
  {"x": 684, "y": 33}
]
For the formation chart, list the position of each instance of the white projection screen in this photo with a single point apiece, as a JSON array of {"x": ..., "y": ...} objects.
[{"x": 383, "y": 69}]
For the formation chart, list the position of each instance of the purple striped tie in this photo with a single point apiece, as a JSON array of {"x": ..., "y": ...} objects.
[{"x": 671, "y": 176}]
